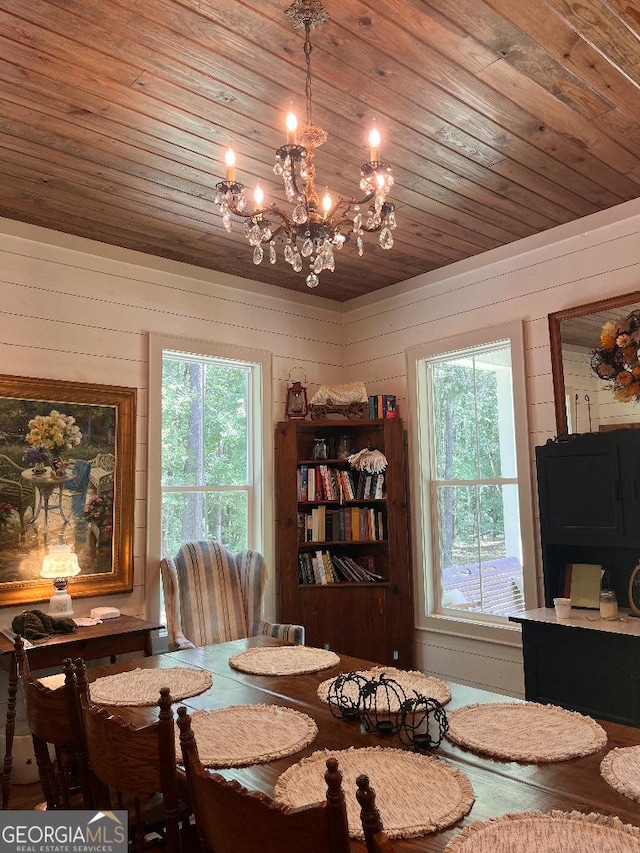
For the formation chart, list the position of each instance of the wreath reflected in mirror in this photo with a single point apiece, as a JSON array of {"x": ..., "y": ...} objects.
[{"x": 616, "y": 359}]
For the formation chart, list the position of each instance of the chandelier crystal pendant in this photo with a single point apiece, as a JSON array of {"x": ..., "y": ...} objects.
[{"x": 314, "y": 229}]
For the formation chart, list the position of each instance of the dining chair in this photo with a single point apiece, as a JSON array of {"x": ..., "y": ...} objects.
[
  {"x": 213, "y": 595},
  {"x": 229, "y": 818},
  {"x": 134, "y": 768},
  {"x": 52, "y": 719}
]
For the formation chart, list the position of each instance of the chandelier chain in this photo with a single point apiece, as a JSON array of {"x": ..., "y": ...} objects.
[{"x": 307, "y": 88}]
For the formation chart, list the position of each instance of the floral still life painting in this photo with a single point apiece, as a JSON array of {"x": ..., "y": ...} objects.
[{"x": 66, "y": 476}]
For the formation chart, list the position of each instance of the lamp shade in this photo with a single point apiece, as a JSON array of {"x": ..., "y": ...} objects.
[{"x": 60, "y": 562}]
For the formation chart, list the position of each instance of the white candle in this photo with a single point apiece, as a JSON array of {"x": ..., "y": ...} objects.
[
  {"x": 292, "y": 127},
  {"x": 258, "y": 197},
  {"x": 374, "y": 144},
  {"x": 230, "y": 160}
]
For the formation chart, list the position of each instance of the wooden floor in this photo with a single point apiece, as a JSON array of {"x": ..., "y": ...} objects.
[{"x": 26, "y": 796}]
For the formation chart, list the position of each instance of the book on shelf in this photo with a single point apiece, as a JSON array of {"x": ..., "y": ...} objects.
[
  {"x": 367, "y": 485},
  {"x": 303, "y": 482},
  {"x": 319, "y": 523},
  {"x": 332, "y": 483},
  {"x": 311, "y": 484},
  {"x": 335, "y": 525},
  {"x": 379, "y": 492},
  {"x": 347, "y": 525},
  {"x": 355, "y": 524},
  {"x": 351, "y": 486},
  {"x": 344, "y": 524},
  {"x": 318, "y": 562},
  {"x": 324, "y": 568},
  {"x": 382, "y": 406}
]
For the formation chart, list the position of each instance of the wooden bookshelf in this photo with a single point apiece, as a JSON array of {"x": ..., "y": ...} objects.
[{"x": 370, "y": 618}]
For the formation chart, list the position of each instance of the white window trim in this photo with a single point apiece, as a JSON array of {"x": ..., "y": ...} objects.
[
  {"x": 477, "y": 626},
  {"x": 261, "y": 535}
]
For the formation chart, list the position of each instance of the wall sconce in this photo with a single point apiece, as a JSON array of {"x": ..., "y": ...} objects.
[
  {"x": 60, "y": 564},
  {"x": 297, "y": 406}
]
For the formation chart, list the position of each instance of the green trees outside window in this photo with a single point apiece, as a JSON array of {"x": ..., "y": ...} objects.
[{"x": 206, "y": 461}]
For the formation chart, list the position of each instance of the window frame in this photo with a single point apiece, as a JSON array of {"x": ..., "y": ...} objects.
[
  {"x": 260, "y": 514},
  {"x": 428, "y": 614}
]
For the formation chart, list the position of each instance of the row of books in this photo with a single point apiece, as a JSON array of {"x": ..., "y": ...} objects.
[
  {"x": 324, "y": 567},
  {"x": 329, "y": 483},
  {"x": 347, "y": 524},
  {"x": 382, "y": 406}
]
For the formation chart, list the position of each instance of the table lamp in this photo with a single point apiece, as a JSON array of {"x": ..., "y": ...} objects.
[{"x": 60, "y": 564}]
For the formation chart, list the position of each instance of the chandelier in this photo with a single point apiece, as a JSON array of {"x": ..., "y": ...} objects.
[{"x": 313, "y": 230}]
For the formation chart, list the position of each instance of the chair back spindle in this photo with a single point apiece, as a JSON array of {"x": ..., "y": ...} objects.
[{"x": 374, "y": 836}]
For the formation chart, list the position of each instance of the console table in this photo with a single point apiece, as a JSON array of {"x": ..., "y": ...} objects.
[
  {"x": 108, "y": 640},
  {"x": 583, "y": 663}
]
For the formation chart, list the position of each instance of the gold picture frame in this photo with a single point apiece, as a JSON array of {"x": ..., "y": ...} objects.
[{"x": 38, "y": 510}]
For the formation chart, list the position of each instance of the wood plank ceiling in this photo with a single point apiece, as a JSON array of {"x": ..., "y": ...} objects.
[{"x": 502, "y": 118}]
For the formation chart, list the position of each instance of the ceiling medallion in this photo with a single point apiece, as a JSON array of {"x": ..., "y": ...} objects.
[{"x": 313, "y": 230}]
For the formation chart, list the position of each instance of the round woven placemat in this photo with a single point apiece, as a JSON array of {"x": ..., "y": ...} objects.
[
  {"x": 249, "y": 734},
  {"x": 142, "y": 686},
  {"x": 409, "y": 681},
  {"x": 620, "y": 768},
  {"x": 416, "y": 794},
  {"x": 525, "y": 731},
  {"x": 284, "y": 660},
  {"x": 569, "y": 832}
]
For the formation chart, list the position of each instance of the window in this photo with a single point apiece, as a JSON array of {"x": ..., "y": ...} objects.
[
  {"x": 209, "y": 447},
  {"x": 469, "y": 415},
  {"x": 207, "y": 482}
]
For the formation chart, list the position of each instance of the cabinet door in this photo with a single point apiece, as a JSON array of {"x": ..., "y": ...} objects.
[
  {"x": 348, "y": 620},
  {"x": 590, "y": 671},
  {"x": 579, "y": 488},
  {"x": 629, "y": 444}
]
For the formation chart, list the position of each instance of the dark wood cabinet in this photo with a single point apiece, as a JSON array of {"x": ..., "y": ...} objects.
[
  {"x": 583, "y": 664},
  {"x": 589, "y": 499},
  {"x": 368, "y": 619}
]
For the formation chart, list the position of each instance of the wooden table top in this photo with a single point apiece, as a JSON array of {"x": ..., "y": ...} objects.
[
  {"x": 109, "y": 628},
  {"x": 500, "y": 786}
]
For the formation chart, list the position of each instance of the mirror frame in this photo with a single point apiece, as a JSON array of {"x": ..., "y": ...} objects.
[{"x": 555, "y": 344}]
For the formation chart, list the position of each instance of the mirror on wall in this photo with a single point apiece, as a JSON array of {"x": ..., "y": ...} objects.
[{"x": 583, "y": 402}]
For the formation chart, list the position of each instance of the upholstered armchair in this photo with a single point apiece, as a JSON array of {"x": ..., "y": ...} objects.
[{"x": 213, "y": 595}]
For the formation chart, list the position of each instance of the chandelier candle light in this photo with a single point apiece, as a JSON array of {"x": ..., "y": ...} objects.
[{"x": 313, "y": 230}]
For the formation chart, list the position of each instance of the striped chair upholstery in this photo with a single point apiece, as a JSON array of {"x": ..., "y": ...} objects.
[{"x": 213, "y": 596}]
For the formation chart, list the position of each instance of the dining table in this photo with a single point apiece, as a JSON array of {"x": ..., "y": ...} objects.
[{"x": 500, "y": 787}]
